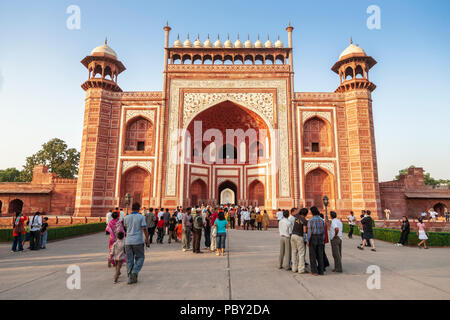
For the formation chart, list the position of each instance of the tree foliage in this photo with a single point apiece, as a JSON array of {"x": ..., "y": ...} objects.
[
  {"x": 9, "y": 175},
  {"x": 426, "y": 177},
  {"x": 56, "y": 156}
]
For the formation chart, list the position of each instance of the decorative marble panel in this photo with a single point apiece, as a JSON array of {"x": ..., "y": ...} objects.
[
  {"x": 147, "y": 165},
  {"x": 227, "y": 172},
  {"x": 309, "y": 166},
  {"x": 199, "y": 170},
  {"x": 194, "y": 103},
  {"x": 309, "y": 114},
  {"x": 149, "y": 114}
]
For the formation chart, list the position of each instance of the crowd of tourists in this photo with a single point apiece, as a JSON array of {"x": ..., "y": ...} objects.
[
  {"x": 187, "y": 226},
  {"x": 33, "y": 229}
]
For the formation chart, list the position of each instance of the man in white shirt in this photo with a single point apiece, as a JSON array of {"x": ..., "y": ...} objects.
[
  {"x": 285, "y": 229},
  {"x": 433, "y": 215},
  {"x": 121, "y": 215},
  {"x": 35, "y": 230},
  {"x": 245, "y": 218},
  {"x": 336, "y": 241},
  {"x": 257, "y": 209},
  {"x": 351, "y": 222},
  {"x": 279, "y": 215}
]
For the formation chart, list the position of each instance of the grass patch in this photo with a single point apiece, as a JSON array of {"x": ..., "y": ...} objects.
[
  {"x": 438, "y": 239},
  {"x": 55, "y": 233}
]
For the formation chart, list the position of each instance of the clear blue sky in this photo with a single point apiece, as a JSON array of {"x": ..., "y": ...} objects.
[{"x": 41, "y": 74}]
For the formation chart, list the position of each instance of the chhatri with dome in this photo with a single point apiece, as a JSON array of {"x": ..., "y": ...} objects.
[{"x": 228, "y": 127}]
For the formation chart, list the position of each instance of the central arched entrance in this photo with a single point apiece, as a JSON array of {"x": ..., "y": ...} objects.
[
  {"x": 227, "y": 193},
  {"x": 227, "y": 142}
]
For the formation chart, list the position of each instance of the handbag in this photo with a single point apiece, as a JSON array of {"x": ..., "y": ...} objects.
[{"x": 18, "y": 227}]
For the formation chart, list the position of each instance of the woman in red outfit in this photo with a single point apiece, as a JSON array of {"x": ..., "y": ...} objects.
[{"x": 18, "y": 231}]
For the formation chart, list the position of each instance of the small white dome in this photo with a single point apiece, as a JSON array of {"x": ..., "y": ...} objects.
[
  {"x": 177, "y": 43},
  {"x": 104, "y": 49},
  {"x": 258, "y": 43},
  {"x": 352, "y": 49},
  {"x": 279, "y": 43},
  {"x": 238, "y": 44},
  {"x": 208, "y": 43},
  {"x": 268, "y": 43},
  {"x": 218, "y": 43},
  {"x": 248, "y": 43},
  {"x": 198, "y": 43},
  {"x": 228, "y": 43},
  {"x": 187, "y": 43}
]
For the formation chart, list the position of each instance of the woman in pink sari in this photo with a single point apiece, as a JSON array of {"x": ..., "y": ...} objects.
[{"x": 114, "y": 227}]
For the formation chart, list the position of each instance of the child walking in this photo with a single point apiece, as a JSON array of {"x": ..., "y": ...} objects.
[
  {"x": 161, "y": 227},
  {"x": 117, "y": 254}
]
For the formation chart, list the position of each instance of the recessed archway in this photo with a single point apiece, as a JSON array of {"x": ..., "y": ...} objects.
[
  {"x": 199, "y": 192},
  {"x": 227, "y": 189},
  {"x": 139, "y": 135},
  {"x": 256, "y": 194},
  {"x": 136, "y": 182},
  {"x": 318, "y": 183},
  {"x": 317, "y": 136},
  {"x": 440, "y": 208},
  {"x": 15, "y": 205}
]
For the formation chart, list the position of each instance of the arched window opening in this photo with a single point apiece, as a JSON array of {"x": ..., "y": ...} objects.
[
  {"x": 139, "y": 135},
  {"x": 108, "y": 73},
  {"x": 248, "y": 59},
  {"x": 359, "y": 72},
  {"x": 176, "y": 59},
  {"x": 316, "y": 136},
  {"x": 15, "y": 205},
  {"x": 279, "y": 59},
  {"x": 238, "y": 59},
  {"x": 207, "y": 59},
  {"x": 318, "y": 184},
  {"x": 97, "y": 71},
  {"x": 187, "y": 59},
  {"x": 218, "y": 59},
  {"x": 197, "y": 59},
  {"x": 348, "y": 73},
  {"x": 269, "y": 59},
  {"x": 227, "y": 152}
]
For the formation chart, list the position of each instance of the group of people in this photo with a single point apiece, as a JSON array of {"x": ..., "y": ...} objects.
[
  {"x": 298, "y": 233},
  {"x": 129, "y": 233},
  {"x": 33, "y": 229}
]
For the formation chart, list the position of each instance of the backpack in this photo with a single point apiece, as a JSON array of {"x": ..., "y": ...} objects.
[
  {"x": 198, "y": 222},
  {"x": 18, "y": 226}
]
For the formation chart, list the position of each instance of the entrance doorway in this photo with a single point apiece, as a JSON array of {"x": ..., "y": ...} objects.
[{"x": 227, "y": 193}]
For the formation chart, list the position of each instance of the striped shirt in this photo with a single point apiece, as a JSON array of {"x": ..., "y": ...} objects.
[{"x": 315, "y": 226}]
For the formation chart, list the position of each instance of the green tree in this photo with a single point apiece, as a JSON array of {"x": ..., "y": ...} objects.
[
  {"x": 56, "y": 156},
  {"x": 430, "y": 181},
  {"x": 10, "y": 175}
]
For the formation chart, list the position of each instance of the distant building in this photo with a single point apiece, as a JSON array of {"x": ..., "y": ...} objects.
[
  {"x": 410, "y": 196},
  {"x": 45, "y": 193}
]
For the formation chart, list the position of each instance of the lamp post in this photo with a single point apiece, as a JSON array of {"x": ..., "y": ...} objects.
[
  {"x": 325, "y": 203},
  {"x": 127, "y": 200}
]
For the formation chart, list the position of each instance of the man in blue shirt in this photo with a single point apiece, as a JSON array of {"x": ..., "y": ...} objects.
[
  {"x": 135, "y": 225},
  {"x": 316, "y": 244}
]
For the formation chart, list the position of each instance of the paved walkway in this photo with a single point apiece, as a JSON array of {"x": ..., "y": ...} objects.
[{"x": 248, "y": 272}]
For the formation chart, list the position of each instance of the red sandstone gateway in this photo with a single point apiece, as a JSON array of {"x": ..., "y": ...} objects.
[{"x": 308, "y": 144}]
